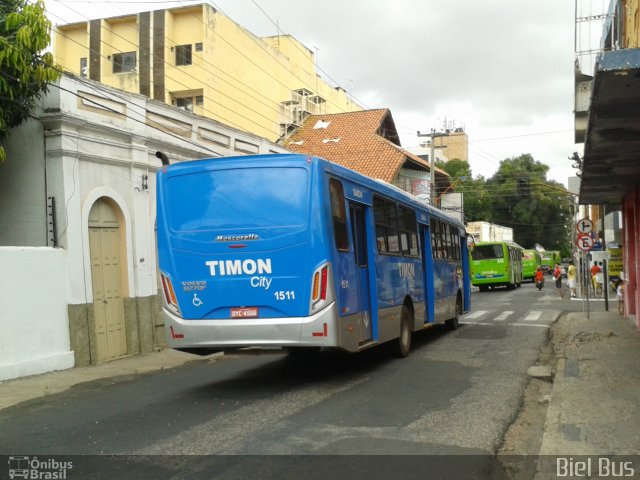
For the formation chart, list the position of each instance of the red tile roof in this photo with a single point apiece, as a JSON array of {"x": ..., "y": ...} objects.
[{"x": 365, "y": 141}]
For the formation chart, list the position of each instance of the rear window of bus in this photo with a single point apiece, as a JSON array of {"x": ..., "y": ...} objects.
[
  {"x": 487, "y": 252},
  {"x": 238, "y": 199}
]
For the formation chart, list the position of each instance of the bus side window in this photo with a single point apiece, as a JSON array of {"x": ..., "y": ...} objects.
[
  {"x": 447, "y": 247},
  {"x": 436, "y": 240},
  {"x": 381, "y": 227},
  {"x": 392, "y": 224},
  {"x": 408, "y": 231},
  {"x": 386, "y": 220},
  {"x": 339, "y": 215}
]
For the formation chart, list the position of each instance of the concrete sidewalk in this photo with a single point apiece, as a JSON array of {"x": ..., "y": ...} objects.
[
  {"x": 20, "y": 390},
  {"x": 595, "y": 402}
]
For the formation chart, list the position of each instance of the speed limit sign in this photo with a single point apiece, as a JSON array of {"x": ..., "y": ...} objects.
[{"x": 584, "y": 243}]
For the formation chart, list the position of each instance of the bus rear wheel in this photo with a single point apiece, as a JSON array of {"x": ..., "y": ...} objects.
[
  {"x": 454, "y": 323},
  {"x": 401, "y": 346}
]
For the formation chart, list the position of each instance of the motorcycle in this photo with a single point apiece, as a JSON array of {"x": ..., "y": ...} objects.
[{"x": 540, "y": 284}]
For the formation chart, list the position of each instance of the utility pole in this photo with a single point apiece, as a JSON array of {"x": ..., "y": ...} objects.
[{"x": 432, "y": 160}]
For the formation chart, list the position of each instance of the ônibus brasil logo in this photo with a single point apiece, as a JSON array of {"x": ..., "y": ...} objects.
[{"x": 34, "y": 468}]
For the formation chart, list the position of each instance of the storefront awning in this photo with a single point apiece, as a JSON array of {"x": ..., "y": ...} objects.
[{"x": 611, "y": 162}]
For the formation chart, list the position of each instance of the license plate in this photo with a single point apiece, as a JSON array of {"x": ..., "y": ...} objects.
[{"x": 250, "y": 312}]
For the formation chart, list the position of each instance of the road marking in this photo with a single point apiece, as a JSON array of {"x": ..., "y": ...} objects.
[
  {"x": 476, "y": 314},
  {"x": 506, "y": 324},
  {"x": 503, "y": 316},
  {"x": 533, "y": 316}
]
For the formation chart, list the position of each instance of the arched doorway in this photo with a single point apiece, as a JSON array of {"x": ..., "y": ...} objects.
[{"x": 106, "y": 280}]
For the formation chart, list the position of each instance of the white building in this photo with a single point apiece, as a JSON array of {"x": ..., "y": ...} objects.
[
  {"x": 77, "y": 227},
  {"x": 489, "y": 232}
]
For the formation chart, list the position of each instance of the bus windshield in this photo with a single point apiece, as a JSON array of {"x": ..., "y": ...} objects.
[
  {"x": 487, "y": 252},
  {"x": 238, "y": 198}
]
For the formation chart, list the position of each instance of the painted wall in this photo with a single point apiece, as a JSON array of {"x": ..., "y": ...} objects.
[
  {"x": 632, "y": 24},
  {"x": 33, "y": 317},
  {"x": 119, "y": 35},
  {"x": 456, "y": 145},
  {"x": 22, "y": 181},
  {"x": 72, "y": 43}
]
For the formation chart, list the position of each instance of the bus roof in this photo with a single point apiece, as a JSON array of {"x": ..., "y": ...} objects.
[
  {"x": 266, "y": 160},
  {"x": 511, "y": 244}
]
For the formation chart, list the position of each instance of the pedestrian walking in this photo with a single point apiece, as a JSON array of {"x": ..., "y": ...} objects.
[
  {"x": 572, "y": 279},
  {"x": 594, "y": 270},
  {"x": 557, "y": 276},
  {"x": 620, "y": 294},
  {"x": 599, "y": 279}
]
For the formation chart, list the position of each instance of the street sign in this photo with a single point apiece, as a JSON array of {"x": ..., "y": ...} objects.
[
  {"x": 584, "y": 226},
  {"x": 584, "y": 243},
  {"x": 600, "y": 256}
]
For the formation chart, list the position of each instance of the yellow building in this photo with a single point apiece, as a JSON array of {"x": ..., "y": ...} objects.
[
  {"x": 200, "y": 60},
  {"x": 631, "y": 15},
  {"x": 455, "y": 144}
]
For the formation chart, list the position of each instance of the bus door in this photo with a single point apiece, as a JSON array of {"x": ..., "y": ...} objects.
[
  {"x": 428, "y": 272},
  {"x": 359, "y": 235},
  {"x": 466, "y": 272}
]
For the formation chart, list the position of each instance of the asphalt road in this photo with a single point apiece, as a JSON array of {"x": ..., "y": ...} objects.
[{"x": 262, "y": 416}]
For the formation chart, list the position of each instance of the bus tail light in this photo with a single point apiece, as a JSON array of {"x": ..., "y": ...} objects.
[
  {"x": 169, "y": 293},
  {"x": 321, "y": 291}
]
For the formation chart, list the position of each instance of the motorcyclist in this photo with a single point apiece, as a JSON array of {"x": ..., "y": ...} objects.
[{"x": 539, "y": 278}]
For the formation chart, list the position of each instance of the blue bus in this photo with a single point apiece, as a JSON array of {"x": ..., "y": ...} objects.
[{"x": 293, "y": 251}]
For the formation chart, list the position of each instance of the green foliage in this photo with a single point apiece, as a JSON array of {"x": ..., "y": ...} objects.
[
  {"x": 24, "y": 69},
  {"x": 519, "y": 196},
  {"x": 456, "y": 168}
]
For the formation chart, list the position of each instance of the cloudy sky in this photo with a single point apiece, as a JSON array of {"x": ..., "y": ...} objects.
[{"x": 502, "y": 69}]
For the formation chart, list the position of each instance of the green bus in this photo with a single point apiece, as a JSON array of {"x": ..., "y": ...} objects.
[
  {"x": 531, "y": 260},
  {"x": 495, "y": 264},
  {"x": 549, "y": 258}
]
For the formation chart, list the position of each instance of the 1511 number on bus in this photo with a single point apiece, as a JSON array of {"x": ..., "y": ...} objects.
[{"x": 282, "y": 295}]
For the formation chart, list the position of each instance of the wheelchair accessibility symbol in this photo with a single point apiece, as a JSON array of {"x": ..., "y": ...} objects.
[{"x": 196, "y": 301}]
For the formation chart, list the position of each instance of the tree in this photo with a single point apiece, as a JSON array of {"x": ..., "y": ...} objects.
[
  {"x": 538, "y": 210},
  {"x": 456, "y": 168},
  {"x": 24, "y": 70},
  {"x": 519, "y": 196},
  {"x": 477, "y": 199}
]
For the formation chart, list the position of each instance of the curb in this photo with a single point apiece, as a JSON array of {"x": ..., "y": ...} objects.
[{"x": 19, "y": 390}]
